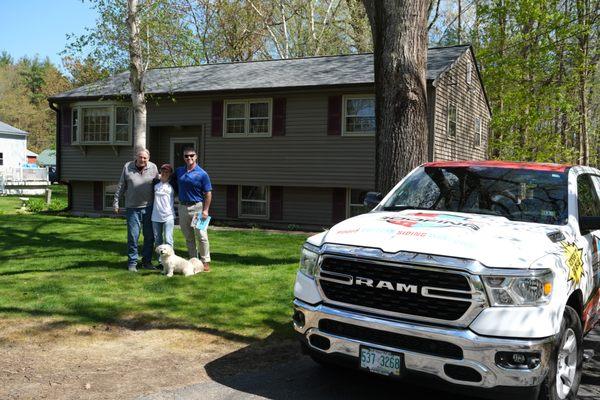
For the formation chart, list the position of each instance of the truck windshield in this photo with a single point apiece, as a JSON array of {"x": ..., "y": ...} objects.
[{"x": 517, "y": 194}]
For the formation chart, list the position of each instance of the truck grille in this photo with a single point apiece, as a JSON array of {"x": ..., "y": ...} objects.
[
  {"x": 337, "y": 275},
  {"x": 390, "y": 339}
]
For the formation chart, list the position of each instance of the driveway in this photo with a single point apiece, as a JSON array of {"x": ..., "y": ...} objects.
[{"x": 303, "y": 379}]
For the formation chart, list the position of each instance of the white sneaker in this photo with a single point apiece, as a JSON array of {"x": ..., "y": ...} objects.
[{"x": 132, "y": 268}]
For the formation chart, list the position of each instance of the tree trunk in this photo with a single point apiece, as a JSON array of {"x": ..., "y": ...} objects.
[
  {"x": 136, "y": 76},
  {"x": 583, "y": 38},
  {"x": 399, "y": 31}
]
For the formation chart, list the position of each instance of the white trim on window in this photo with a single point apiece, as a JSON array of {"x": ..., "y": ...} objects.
[
  {"x": 350, "y": 205},
  {"x": 452, "y": 106},
  {"x": 247, "y": 118},
  {"x": 478, "y": 132},
  {"x": 469, "y": 75},
  {"x": 345, "y": 99},
  {"x": 266, "y": 201},
  {"x": 77, "y": 129},
  {"x": 105, "y": 192}
]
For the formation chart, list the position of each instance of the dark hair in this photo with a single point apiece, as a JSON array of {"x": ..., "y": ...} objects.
[{"x": 188, "y": 149}]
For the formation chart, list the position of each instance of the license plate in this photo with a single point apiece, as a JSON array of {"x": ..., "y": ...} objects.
[{"x": 381, "y": 362}]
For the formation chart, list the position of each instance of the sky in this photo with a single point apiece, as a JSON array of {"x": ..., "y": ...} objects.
[{"x": 30, "y": 27}]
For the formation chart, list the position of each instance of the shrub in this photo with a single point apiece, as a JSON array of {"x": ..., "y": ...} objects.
[
  {"x": 57, "y": 205},
  {"x": 36, "y": 205}
]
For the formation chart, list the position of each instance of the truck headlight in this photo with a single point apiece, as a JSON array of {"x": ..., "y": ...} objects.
[
  {"x": 519, "y": 290},
  {"x": 309, "y": 260}
]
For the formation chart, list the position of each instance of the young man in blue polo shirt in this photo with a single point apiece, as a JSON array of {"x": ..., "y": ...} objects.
[{"x": 195, "y": 191}]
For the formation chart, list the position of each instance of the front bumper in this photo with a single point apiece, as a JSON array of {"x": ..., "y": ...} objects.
[{"x": 478, "y": 351}]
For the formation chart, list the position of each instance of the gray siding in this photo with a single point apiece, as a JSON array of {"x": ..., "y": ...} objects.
[
  {"x": 470, "y": 101},
  {"x": 307, "y": 206},
  {"x": 97, "y": 163},
  {"x": 83, "y": 196}
]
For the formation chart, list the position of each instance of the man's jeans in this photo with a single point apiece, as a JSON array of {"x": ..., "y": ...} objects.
[
  {"x": 139, "y": 219},
  {"x": 167, "y": 228}
]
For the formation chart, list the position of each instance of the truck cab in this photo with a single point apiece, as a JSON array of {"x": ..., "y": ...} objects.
[{"x": 483, "y": 274}]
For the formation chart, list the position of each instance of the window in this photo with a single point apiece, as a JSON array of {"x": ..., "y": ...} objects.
[
  {"x": 1, "y": 158},
  {"x": 254, "y": 201},
  {"x": 110, "y": 124},
  {"x": 478, "y": 129},
  {"x": 355, "y": 205},
  {"x": 469, "y": 72},
  {"x": 109, "y": 195},
  {"x": 587, "y": 198},
  {"x": 452, "y": 112},
  {"x": 247, "y": 118},
  {"x": 75, "y": 124},
  {"x": 96, "y": 124},
  {"x": 359, "y": 115}
]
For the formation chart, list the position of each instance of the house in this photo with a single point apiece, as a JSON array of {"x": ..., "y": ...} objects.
[
  {"x": 286, "y": 142},
  {"x": 19, "y": 173},
  {"x": 13, "y": 146}
]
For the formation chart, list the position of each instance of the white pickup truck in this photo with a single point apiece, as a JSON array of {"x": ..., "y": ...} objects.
[{"x": 483, "y": 274}]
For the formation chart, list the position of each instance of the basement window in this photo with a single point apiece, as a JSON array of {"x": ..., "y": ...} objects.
[{"x": 254, "y": 201}]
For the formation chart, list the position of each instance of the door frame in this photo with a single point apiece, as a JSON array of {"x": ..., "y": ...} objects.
[{"x": 182, "y": 139}]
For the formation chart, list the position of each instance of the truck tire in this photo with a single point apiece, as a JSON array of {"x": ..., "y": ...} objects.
[{"x": 566, "y": 360}]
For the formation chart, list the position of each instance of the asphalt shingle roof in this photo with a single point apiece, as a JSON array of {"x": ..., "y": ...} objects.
[
  {"x": 272, "y": 74},
  {"x": 11, "y": 130}
]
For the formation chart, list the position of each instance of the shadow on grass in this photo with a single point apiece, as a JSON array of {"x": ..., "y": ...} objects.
[
  {"x": 109, "y": 315},
  {"x": 80, "y": 265}
]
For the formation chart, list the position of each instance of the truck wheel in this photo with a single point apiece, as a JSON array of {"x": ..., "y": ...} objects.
[{"x": 564, "y": 374}]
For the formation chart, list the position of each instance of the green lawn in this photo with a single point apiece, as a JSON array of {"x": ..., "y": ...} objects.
[{"x": 74, "y": 269}]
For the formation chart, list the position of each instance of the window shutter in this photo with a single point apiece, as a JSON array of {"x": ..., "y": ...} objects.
[
  {"x": 217, "y": 118},
  {"x": 278, "y": 122},
  {"x": 98, "y": 196},
  {"x": 232, "y": 201},
  {"x": 276, "y": 203},
  {"x": 334, "y": 116},
  {"x": 338, "y": 211},
  {"x": 65, "y": 129}
]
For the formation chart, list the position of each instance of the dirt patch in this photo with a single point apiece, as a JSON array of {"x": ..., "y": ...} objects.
[{"x": 50, "y": 359}]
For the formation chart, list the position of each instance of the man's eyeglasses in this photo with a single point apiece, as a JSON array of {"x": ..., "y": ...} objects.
[{"x": 189, "y": 155}]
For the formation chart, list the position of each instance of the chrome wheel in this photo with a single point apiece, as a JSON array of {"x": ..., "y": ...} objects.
[{"x": 566, "y": 365}]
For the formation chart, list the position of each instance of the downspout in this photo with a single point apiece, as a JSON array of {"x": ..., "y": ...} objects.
[{"x": 58, "y": 154}]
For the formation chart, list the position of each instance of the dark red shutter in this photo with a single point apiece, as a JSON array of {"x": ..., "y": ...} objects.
[
  {"x": 232, "y": 201},
  {"x": 217, "y": 118},
  {"x": 279, "y": 104},
  {"x": 65, "y": 120},
  {"x": 98, "y": 196},
  {"x": 338, "y": 210},
  {"x": 276, "y": 206},
  {"x": 334, "y": 116}
]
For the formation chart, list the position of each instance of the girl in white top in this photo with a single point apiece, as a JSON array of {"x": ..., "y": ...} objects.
[{"x": 163, "y": 212}]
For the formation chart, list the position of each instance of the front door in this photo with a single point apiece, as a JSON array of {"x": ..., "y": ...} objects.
[{"x": 177, "y": 146}]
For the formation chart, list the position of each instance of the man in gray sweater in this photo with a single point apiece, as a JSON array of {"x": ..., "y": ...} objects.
[{"x": 136, "y": 186}]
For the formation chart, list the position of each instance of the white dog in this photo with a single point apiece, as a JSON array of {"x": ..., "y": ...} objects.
[{"x": 174, "y": 264}]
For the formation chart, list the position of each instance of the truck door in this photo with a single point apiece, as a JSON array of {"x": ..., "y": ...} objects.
[{"x": 588, "y": 204}]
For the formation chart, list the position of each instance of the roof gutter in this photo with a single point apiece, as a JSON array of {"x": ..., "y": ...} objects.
[{"x": 54, "y": 108}]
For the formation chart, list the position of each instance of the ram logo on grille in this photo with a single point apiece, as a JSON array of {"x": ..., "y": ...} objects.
[{"x": 394, "y": 286}]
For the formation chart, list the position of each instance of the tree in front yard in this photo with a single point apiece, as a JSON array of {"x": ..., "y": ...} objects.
[
  {"x": 399, "y": 31},
  {"x": 136, "y": 76}
]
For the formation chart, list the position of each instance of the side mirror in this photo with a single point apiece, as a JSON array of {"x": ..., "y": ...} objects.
[
  {"x": 588, "y": 224},
  {"x": 372, "y": 199}
]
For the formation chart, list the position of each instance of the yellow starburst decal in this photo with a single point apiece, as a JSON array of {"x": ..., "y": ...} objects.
[{"x": 574, "y": 260}]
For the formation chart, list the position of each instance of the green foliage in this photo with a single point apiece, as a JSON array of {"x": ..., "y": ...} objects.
[
  {"x": 538, "y": 60},
  {"x": 24, "y": 87},
  {"x": 182, "y": 32},
  {"x": 75, "y": 269},
  {"x": 36, "y": 205}
]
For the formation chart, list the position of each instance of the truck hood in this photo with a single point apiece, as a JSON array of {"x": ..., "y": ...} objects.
[{"x": 493, "y": 241}]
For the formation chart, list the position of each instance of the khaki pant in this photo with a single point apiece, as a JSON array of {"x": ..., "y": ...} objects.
[{"x": 192, "y": 234}]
